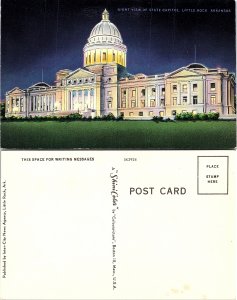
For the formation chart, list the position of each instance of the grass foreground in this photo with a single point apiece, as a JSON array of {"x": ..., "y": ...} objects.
[{"x": 119, "y": 135}]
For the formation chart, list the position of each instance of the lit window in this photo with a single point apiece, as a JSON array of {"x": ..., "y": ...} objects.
[
  {"x": 133, "y": 93},
  {"x": 194, "y": 112},
  {"x": 174, "y": 88},
  {"x": 133, "y": 103},
  {"x": 163, "y": 91},
  {"x": 185, "y": 99},
  {"x": 174, "y": 100},
  {"x": 213, "y": 99},
  {"x": 161, "y": 113},
  {"x": 130, "y": 114},
  {"x": 152, "y": 103},
  {"x": 213, "y": 86},
  {"x": 123, "y": 104},
  {"x": 142, "y": 103},
  {"x": 140, "y": 113},
  {"x": 195, "y": 87},
  {"x": 195, "y": 100},
  {"x": 184, "y": 88}
]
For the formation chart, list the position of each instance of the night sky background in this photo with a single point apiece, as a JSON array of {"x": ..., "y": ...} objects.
[{"x": 50, "y": 35}]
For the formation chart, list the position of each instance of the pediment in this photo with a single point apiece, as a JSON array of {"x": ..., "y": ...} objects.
[
  {"x": 79, "y": 73},
  {"x": 183, "y": 73},
  {"x": 15, "y": 91}
]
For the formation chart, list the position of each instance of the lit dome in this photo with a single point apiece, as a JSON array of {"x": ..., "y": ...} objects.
[
  {"x": 105, "y": 44},
  {"x": 105, "y": 31}
]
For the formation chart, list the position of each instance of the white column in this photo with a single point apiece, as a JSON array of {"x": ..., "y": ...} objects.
[
  {"x": 189, "y": 93},
  {"x": 158, "y": 94},
  {"x": 179, "y": 93}
]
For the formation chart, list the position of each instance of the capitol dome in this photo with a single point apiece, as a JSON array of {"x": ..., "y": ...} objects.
[{"x": 105, "y": 44}]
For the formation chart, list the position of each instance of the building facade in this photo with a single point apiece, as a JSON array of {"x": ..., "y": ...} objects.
[{"x": 104, "y": 86}]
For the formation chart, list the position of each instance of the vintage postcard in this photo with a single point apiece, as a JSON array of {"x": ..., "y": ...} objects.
[{"x": 118, "y": 160}]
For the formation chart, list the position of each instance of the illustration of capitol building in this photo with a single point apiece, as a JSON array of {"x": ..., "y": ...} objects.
[{"x": 104, "y": 86}]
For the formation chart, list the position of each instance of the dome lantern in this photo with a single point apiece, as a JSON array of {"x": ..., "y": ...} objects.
[{"x": 105, "y": 15}]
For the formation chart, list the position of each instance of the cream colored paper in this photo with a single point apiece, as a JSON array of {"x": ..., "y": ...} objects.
[{"x": 71, "y": 230}]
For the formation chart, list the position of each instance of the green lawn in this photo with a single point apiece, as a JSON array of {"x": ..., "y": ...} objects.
[{"x": 119, "y": 135}]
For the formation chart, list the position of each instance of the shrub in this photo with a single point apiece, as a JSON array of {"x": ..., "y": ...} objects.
[
  {"x": 157, "y": 119},
  {"x": 213, "y": 115}
]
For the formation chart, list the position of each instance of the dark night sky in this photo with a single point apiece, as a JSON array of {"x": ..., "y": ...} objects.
[{"x": 50, "y": 35}]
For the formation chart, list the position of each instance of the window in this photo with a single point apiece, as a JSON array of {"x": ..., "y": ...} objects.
[
  {"x": 80, "y": 81},
  {"x": 213, "y": 99},
  {"x": 184, "y": 88},
  {"x": 174, "y": 88},
  {"x": 85, "y": 92},
  {"x": 104, "y": 56},
  {"x": 142, "y": 103},
  {"x": 86, "y": 80},
  {"x": 174, "y": 112},
  {"x": 109, "y": 93},
  {"x": 143, "y": 92},
  {"x": 194, "y": 112},
  {"x": 174, "y": 100},
  {"x": 133, "y": 103},
  {"x": 89, "y": 59},
  {"x": 161, "y": 113},
  {"x": 80, "y": 93},
  {"x": 73, "y": 94},
  {"x": 17, "y": 102},
  {"x": 195, "y": 87},
  {"x": 140, "y": 113},
  {"x": 153, "y": 91},
  {"x": 163, "y": 91},
  {"x": 123, "y": 104},
  {"x": 184, "y": 111},
  {"x": 213, "y": 86},
  {"x": 130, "y": 114},
  {"x": 185, "y": 99},
  {"x": 124, "y": 92},
  {"x": 150, "y": 113},
  {"x": 152, "y": 103},
  {"x": 162, "y": 102},
  {"x": 110, "y": 104},
  {"x": 113, "y": 56},
  {"x": 92, "y": 92},
  {"x": 94, "y": 56},
  {"x": 195, "y": 100},
  {"x": 122, "y": 114},
  {"x": 133, "y": 93}
]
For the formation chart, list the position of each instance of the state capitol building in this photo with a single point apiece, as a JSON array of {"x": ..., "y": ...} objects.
[{"x": 104, "y": 86}]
